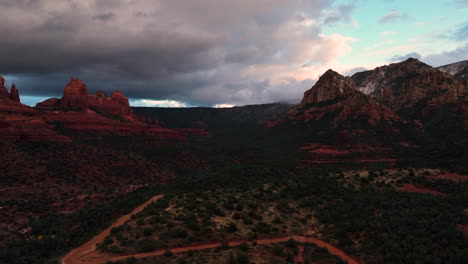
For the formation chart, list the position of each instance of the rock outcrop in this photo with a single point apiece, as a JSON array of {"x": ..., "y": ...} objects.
[
  {"x": 401, "y": 85},
  {"x": 14, "y": 94},
  {"x": 3, "y": 90},
  {"x": 99, "y": 114},
  {"x": 458, "y": 69},
  {"x": 116, "y": 104},
  {"x": 334, "y": 98},
  {"x": 75, "y": 95},
  {"x": 49, "y": 104},
  {"x": 331, "y": 85},
  {"x": 21, "y": 122}
]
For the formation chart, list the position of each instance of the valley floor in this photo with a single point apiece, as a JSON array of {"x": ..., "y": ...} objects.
[{"x": 88, "y": 254}]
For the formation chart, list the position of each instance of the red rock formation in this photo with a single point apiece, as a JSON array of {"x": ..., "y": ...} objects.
[
  {"x": 3, "y": 90},
  {"x": 21, "y": 122},
  {"x": 75, "y": 95},
  {"x": 458, "y": 69},
  {"x": 334, "y": 98},
  {"x": 49, "y": 104},
  {"x": 401, "y": 85},
  {"x": 14, "y": 94},
  {"x": 356, "y": 126},
  {"x": 117, "y": 104},
  {"x": 331, "y": 85}
]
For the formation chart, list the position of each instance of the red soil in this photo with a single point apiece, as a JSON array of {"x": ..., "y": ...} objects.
[
  {"x": 344, "y": 160},
  {"x": 333, "y": 250},
  {"x": 450, "y": 176},
  {"x": 412, "y": 188},
  {"x": 87, "y": 253}
]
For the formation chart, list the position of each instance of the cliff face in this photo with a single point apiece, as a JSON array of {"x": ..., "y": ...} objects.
[
  {"x": 401, "y": 85},
  {"x": 330, "y": 86},
  {"x": 335, "y": 99}
]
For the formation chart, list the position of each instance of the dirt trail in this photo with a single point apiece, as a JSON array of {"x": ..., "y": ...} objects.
[
  {"x": 333, "y": 250},
  {"x": 87, "y": 254}
]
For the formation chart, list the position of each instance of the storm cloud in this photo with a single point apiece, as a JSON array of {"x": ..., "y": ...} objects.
[{"x": 201, "y": 52}]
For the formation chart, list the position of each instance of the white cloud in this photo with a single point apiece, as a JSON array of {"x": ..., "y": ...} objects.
[
  {"x": 393, "y": 16},
  {"x": 158, "y": 103},
  {"x": 223, "y": 106}
]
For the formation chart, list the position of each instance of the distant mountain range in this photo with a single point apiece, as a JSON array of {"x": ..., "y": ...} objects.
[{"x": 403, "y": 98}]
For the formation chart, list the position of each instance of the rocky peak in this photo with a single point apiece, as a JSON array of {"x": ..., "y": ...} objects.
[
  {"x": 122, "y": 101},
  {"x": 457, "y": 69},
  {"x": 14, "y": 93},
  {"x": 101, "y": 94},
  {"x": 331, "y": 85},
  {"x": 401, "y": 84},
  {"x": 3, "y": 90},
  {"x": 75, "y": 95},
  {"x": 119, "y": 96},
  {"x": 75, "y": 87}
]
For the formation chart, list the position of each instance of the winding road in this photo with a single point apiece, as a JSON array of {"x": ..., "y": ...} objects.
[{"x": 87, "y": 254}]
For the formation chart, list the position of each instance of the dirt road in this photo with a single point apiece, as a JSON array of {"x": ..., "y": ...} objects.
[{"x": 87, "y": 254}]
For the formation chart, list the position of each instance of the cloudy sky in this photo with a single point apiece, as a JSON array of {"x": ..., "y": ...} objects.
[{"x": 217, "y": 52}]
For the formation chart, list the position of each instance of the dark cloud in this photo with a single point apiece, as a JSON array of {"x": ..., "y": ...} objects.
[
  {"x": 200, "y": 52},
  {"x": 398, "y": 58},
  {"x": 393, "y": 16}
]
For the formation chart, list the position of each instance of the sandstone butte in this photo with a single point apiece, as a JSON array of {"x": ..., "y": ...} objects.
[{"x": 79, "y": 111}]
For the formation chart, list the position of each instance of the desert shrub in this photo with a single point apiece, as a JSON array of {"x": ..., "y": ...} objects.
[
  {"x": 231, "y": 228},
  {"x": 243, "y": 258},
  {"x": 244, "y": 246},
  {"x": 173, "y": 233},
  {"x": 146, "y": 245},
  {"x": 115, "y": 249}
]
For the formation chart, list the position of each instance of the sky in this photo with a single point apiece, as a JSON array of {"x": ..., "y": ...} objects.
[{"x": 219, "y": 53}]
